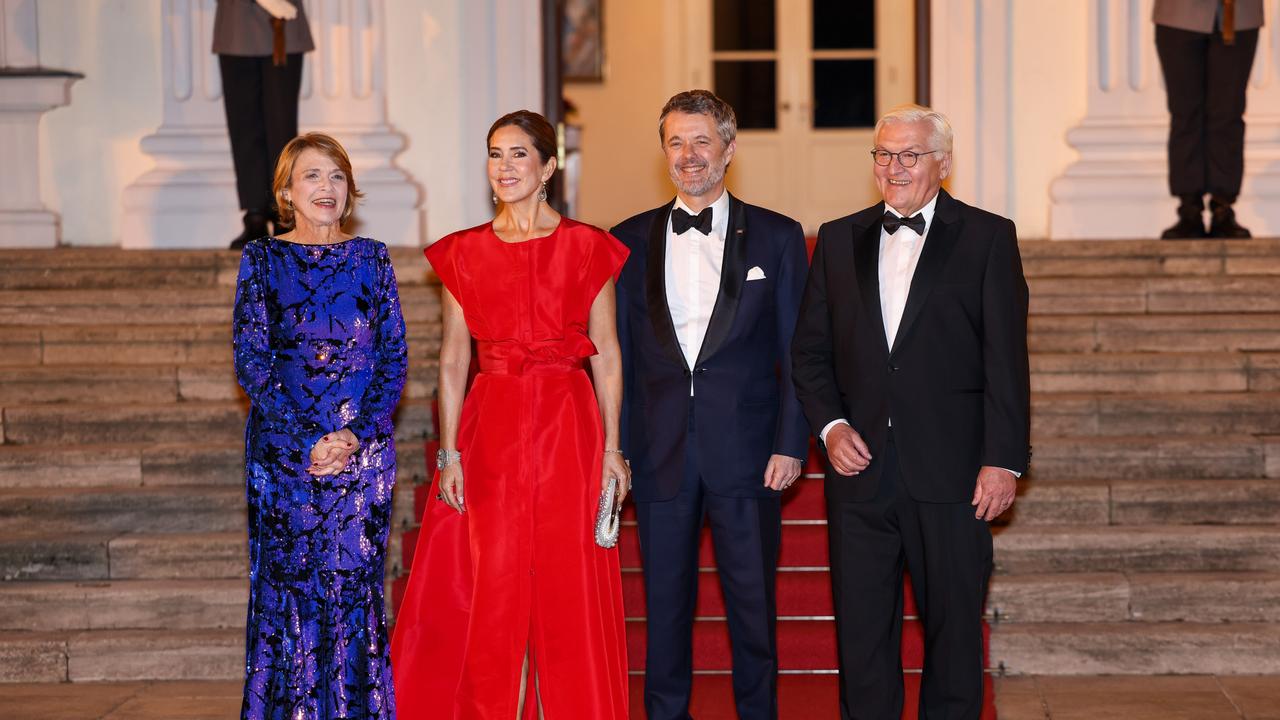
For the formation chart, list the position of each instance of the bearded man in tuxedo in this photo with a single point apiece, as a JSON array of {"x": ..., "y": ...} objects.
[
  {"x": 910, "y": 359},
  {"x": 707, "y": 303}
]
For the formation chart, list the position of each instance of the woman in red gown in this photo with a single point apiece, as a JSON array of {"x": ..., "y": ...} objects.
[{"x": 512, "y": 610}]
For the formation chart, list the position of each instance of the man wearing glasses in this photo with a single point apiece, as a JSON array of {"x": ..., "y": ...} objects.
[{"x": 910, "y": 359}]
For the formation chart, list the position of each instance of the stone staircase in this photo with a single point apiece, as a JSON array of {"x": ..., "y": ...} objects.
[
  {"x": 1146, "y": 538},
  {"x": 122, "y": 512}
]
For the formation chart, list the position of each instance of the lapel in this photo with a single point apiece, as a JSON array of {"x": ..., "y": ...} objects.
[
  {"x": 655, "y": 285},
  {"x": 733, "y": 271},
  {"x": 866, "y": 264},
  {"x": 938, "y": 245}
]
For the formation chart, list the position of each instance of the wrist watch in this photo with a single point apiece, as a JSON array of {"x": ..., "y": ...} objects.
[{"x": 445, "y": 458}]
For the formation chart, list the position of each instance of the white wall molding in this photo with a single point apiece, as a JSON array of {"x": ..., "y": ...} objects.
[
  {"x": 970, "y": 82},
  {"x": 27, "y": 92}
]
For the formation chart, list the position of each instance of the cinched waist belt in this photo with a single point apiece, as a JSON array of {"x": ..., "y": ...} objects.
[{"x": 547, "y": 357}]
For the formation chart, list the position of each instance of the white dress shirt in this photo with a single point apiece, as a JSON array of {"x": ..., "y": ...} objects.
[
  {"x": 899, "y": 255},
  {"x": 693, "y": 264}
]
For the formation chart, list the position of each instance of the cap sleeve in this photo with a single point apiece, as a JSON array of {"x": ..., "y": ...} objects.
[
  {"x": 442, "y": 255},
  {"x": 605, "y": 260}
]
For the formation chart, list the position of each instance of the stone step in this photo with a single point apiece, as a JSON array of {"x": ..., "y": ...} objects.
[
  {"x": 98, "y": 384},
  {"x": 1149, "y": 258},
  {"x": 123, "y": 605},
  {"x": 93, "y": 424},
  {"x": 156, "y": 556},
  {"x": 1174, "y": 333},
  {"x": 1050, "y": 373},
  {"x": 159, "y": 306},
  {"x": 78, "y": 268},
  {"x": 1136, "y": 548},
  {"x": 1154, "y": 372},
  {"x": 1146, "y": 502},
  {"x": 1173, "y": 502},
  {"x": 1124, "y": 648},
  {"x": 1128, "y": 295},
  {"x": 1164, "y": 414},
  {"x": 116, "y": 267},
  {"x": 123, "y": 556},
  {"x": 1142, "y": 457},
  {"x": 117, "y": 510},
  {"x": 201, "y": 344},
  {"x": 121, "y": 655},
  {"x": 1147, "y": 597},
  {"x": 194, "y": 422},
  {"x": 175, "y": 509},
  {"x": 81, "y": 268},
  {"x": 151, "y": 465}
]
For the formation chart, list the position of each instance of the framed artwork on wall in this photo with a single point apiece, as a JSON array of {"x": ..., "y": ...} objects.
[{"x": 582, "y": 43}]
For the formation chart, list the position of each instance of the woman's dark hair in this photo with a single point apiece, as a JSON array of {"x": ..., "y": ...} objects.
[{"x": 535, "y": 126}]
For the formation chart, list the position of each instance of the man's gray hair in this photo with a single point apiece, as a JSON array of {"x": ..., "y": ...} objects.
[
  {"x": 702, "y": 102},
  {"x": 940, "y": 139}
]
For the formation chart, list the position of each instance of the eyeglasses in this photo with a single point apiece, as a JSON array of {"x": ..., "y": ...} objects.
[{"x": 906, "y": 158}]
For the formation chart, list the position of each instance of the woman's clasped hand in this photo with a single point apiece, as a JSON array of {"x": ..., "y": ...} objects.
[{"x": 330, "y": 455}]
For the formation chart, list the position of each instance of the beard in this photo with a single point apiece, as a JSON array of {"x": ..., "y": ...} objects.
[{"x": 715, "y": 175}]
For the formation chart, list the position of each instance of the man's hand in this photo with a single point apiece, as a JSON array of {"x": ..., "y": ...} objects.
[
  {"x": 846, "y": 450},
  {"x": 781, "y": 472},
  {"x": 281, "y": 9},
  {"x": 995, "y": 492}
]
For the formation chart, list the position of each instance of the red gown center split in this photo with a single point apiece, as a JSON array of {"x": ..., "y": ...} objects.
[{"x": 520, "y": 569}]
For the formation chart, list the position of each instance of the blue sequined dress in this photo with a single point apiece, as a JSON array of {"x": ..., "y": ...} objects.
[{"x": 319, "y": 346}]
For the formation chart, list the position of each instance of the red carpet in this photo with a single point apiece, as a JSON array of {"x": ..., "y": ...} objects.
[
  {"x": 800, "y": 697},
  {"x": 806, "y": 632}
]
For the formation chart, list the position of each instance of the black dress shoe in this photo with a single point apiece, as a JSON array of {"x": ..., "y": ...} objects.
[
  {"x": 1190, "y": 226},
  {"x": 1223, "y": 223},
  {"x": 255, "y": 226}
]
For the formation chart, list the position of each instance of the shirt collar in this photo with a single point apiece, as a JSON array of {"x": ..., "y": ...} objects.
[
  {"x": 926, "y": 212},
  {"x": 719, "y": 215}
]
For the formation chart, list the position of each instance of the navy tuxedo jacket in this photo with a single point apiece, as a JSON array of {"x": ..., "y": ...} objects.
[
  {"x": 744, "y": 401},
  {"x": 956, "y": 381}
]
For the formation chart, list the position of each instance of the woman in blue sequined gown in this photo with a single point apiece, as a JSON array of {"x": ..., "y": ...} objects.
[{"x": 320, "y": 351}]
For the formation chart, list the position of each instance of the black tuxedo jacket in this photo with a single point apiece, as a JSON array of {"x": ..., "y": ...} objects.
[
  {"x": 956, "y": 381},
  {"x": 744, "y": 401}
]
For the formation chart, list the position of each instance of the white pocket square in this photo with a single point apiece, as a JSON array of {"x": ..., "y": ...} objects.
[{"x": 755, "y": 273}]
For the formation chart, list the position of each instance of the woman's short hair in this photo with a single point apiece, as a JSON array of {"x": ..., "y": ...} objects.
[
  {"x": 537, "y": 127},
  {"x": 940, "y": 139},
  {"x": 701, "y": 102},
  {"x": 331, "y": 149}
]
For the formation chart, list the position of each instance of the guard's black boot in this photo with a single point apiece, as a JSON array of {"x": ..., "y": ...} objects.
[
  {"x": 255, "y": 226},
  {"x": 1222, "y": 222},
  {"x": 1190, "y": 225}
]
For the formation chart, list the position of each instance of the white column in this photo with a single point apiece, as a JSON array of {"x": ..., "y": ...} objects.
[
  {"x": 1119, "y": 187},
  {"x": 970, "y": 78},
  {"x": 189, "y": 198},
  {"x": 27, "y": 91}
]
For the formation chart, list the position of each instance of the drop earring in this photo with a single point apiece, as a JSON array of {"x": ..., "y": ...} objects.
[
  {"x": 542, "y": 194},
  {"x": 494, "y": 197}
]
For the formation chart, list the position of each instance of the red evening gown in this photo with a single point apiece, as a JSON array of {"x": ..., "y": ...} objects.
[{"x": 520, "y": 569}]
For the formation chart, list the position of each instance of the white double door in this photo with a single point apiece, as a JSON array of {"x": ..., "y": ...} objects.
[{"x": 807, "y": 78}]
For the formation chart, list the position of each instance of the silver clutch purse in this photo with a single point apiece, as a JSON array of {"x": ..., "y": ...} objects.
[{"x": 608, "y": 519}]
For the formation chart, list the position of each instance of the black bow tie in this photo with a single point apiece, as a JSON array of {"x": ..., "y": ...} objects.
[
  {"x": 893, "y": 222},
  {"x": 681, "y": 221}
]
